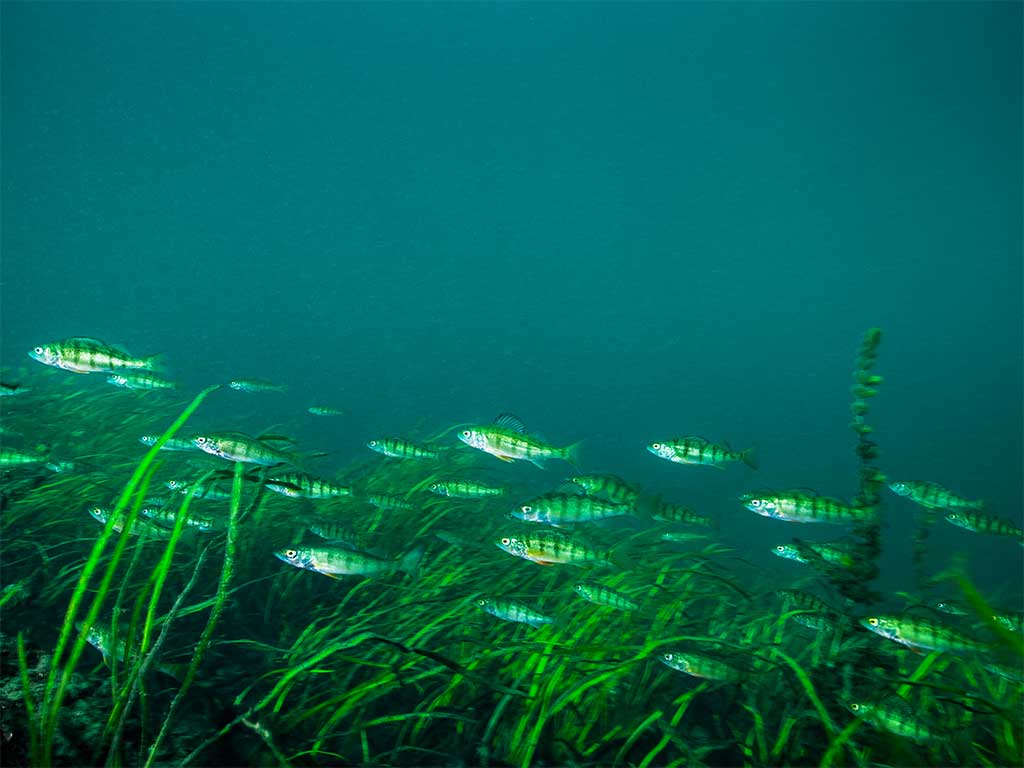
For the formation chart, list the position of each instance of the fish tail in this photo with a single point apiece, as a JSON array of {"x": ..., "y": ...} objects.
[
  {"x": 620, "y": 557},
  {"x": 410, "y": 562},
  {"x": 153, "y": 363},
  {"x": 571, "y": 454},
  {"x": 749, "y": 458}
]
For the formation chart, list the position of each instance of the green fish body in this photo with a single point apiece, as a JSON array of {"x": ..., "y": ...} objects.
[
  {"x": 338, "y": 561},
  {"x": 512, "y": 610},
  {"x": 599, "y": 594},
  {"x": 139, "y": 381},
  {"x": 920, "y": 634},
  {"x": 933, "y": 496},
  {"x": 610, "y": 487},
  {"x": 804, "y": 507},
  {"x": 507, "y": 440},
  {"x": 464, "y": 489},
  {"x": 700, "y": 452},
  {"x": 299, "y": 485},
  {"x": 81, "y": 354},
  {"x": 397, "y": 448},
  {"x": 565, "y": 509}
]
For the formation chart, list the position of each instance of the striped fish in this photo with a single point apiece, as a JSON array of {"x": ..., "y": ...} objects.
[
  {"x": 698, "y": 451},
  {"x": 918, "y": 634},
  {"x": 933, "y": 496},
  {"x": 979, "y": 522},
  {"x": 893, "y": 715},
  {"x": 464, "y": 489},
  {"x": 139, "y": 381},
  {"x": 397, "y": 448},
  {"x": 241, "y": 448},
  {"x": 699, "y": 665},
  {"x": 565, "y": 509},
  {"x": 81, "y": 354},
  {"x": 338, "y": 561},
  {"x": 611, "y": 487},
  {"x": 804, "y": 507},
  {"x": 299, "y": 485},
  {"x": 256, "y": 385},
  {"x": 548, "y": 547},
  {"x": 830, "y": 553},
  {"x": 599, "y": 594},
  {"x": 512, "y": 610},
  {"x": 507, "y": 440},
  {"x": 674, "y": 513},
  {"x": 173, "y": 444}
]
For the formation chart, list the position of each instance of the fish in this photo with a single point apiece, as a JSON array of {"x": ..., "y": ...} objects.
[
  {"x": 12, "y": 458},
  {"x": 101, "y": 637},
  {"x": 299, "y": 485},
  {"x": 397, "y": 448},
  {"x": 464, "y": 489},
  {"x": 979, "y": 522},
  {"x": 698, "y": 451},
  {"x": 893, "y": 715},
  {"x": 241, "y": 448},
  {"x": 324, "y": 410},
  {"x": 547, "y": 547},
  {"x": 611, "y": 487},
  {"x": 512, "y": 610},
  {"x": 339, "y": 561},
  {"x": 933, "y": 496},
  {"x": 256, "y": 385},
  {"x": 674, "y": 513},
  {"x": 81, "y": 354},
  {"x": 565, "y": 509},
  {"x": 507, "y": 440},
  {"x": 805, "y": 507},
  {"x": 9, "y": 390},
  {"x": 172, "y": 444},
  {"x": 140, "y": 381},
  {"x": 141, "y": 526},
  {"x": 209, "y": 491},
  {"x": 699, "y": 665},
  {"x": 830, "y": 553},
  {"x": 599, "y": 594},
  {"x": 920, "y": 634},
  {"x": 815, "y": 613},
  {"x": 389, "y": 501},
  {"x": 167, "y": 516}
]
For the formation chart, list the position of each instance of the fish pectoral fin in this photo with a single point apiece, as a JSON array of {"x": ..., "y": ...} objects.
[
  {"x": 504, "y": 458},
  {"x": 543, "y": 562}
]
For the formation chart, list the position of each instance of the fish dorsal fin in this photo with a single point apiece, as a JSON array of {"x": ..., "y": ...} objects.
[{"x": 509, "y": 421}]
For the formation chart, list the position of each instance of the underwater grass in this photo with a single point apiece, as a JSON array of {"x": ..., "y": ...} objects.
[
  {"x": 53, "y": 694},
  {"x": 211, "y": 623}
]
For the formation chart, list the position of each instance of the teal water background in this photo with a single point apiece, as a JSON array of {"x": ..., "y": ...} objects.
[{"x": 622, "y": 222}]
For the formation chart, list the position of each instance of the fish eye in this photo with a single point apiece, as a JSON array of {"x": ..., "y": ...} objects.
[
  {"x": 466, "y": 433},
  {"x": 855, "y": 707},
  {"x": 655, "y": 446},
  {"x": 433, "y": 486},
  {"x": 481, "y": 602},
  {"x": 578, "y": 587},
  {"x": 755, "y": 502},
  {"x": 201, "y": 440},
  {"x": 506, "y": 541},
  {"x": 873, "y": 621},
  {"x": 290, "y": 554},
  {"x": 780, "y": 548},
  {"x": 668, "y": 656},
  {"x": 526, "y": 508}
]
